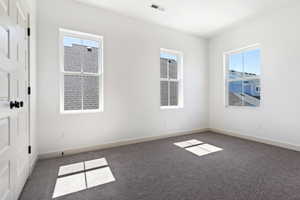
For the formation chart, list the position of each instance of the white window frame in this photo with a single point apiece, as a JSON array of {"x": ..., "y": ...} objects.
[
  {"x": 85, "y": 36},
  {"x": 179, "y": 79},
  {"x": 227, "y": 79}
]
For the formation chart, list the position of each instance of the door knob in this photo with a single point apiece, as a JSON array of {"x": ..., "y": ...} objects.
[
  {"x": 12, "y": 104},
  {"x": 16, "y": 104}
]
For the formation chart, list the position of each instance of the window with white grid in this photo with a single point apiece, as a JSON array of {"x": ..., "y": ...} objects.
[
  {"x": 243, "y": 77},
  {"x": 81, "y": 72},
  {"x": 171, "y": 79}
]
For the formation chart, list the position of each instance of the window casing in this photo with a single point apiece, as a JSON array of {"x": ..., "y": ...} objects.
[
  {"x": 171, "y": 79},
  {"x": 243, "y": 77},
  {"x": 81, "y": 72}
]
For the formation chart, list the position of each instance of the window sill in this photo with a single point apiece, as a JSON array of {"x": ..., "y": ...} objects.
[
  {"x": 80, "y": 112},
  {"x": 170, "y": 107},
  {"x": 244, "y": 107}
]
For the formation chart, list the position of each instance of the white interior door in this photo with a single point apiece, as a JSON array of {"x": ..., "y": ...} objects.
[
  {"x": 21, "y": 148},
  {"x": 14, "y": 158}
]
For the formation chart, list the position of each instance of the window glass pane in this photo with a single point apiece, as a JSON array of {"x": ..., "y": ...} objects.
[
  {"x": 72, "y": 56},
  {"x": 163, "y": 68},
  {"x": 173, "y": 93},
  {"x": 169, "y": 70},
  {"x": 90, "y": 92},
  {"x": 168, "y": 56},
  {"x": 164, "y": 93},
  {"x": 235, "y": 95},
  {"x": 251, "y": 92},
  {"x": 79, "y": 53},
  {"x": 72, "y": 92},
  {"x": 252, "y": 63},
  {"x": 70, "y": 41},
  {"x": 235, "y": 66},
  {"x": 173, "y": 69},
  {"x": 90, "y": 59}
]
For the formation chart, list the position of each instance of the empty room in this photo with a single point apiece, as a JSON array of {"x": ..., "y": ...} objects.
[{"x": 149, "y": 100}]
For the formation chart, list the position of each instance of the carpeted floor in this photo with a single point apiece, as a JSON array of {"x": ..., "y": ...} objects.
[{"x": 159, "y": 170}]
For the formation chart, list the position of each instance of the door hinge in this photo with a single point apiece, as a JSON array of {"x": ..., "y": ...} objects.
[
  {"x": 28, "y": 32},
  {"x": 29, "y": 149},
  {"x": 29, "y": 90}
]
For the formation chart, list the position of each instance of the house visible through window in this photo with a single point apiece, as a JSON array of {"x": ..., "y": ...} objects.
[
  {"x": 81, "y": 72},
  {"x": 170, "y": 79},
  {"x": 243, "y": 77}
]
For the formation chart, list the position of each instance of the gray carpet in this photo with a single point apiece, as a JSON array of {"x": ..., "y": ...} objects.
[{"x": 158, "y": 170}]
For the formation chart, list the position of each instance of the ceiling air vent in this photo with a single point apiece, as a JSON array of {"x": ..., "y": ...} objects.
[{"x": 157, "y": 7}]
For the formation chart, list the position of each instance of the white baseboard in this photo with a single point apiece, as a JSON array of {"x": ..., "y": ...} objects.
[
  {"x": 119, "y": 143},
  {"x": 256, "y": 139}
]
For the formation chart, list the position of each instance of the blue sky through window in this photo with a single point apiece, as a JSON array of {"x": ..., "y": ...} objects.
[
  {"x": 168, "y": 56},
  {"x": 251, "y": 62},
  {"x": 68, "y": 41}
]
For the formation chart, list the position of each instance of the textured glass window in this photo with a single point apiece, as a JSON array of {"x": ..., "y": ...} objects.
[
  {"x": 90, "y": 92},
  {"x": 173, "y": 69},
  {"x": 164, "y": 93},
  {"x": 163, "y": 68},
  {"x": 72, "y": 56},
  {"x": 170, "y": 78},
  {"x": 72, "y": 92},
  {"x": 173, "y": 93},
  {"x": 82, "y": 73},
  {"x": 90, "y": 60}
]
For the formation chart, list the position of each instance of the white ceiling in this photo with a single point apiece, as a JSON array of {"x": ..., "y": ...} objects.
[{"x": 199, "y": 17}]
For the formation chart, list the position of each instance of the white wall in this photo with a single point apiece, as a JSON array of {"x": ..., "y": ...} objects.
[
  {"x": 131, "y": 79},
  {"x": 278, "y": 117}
]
